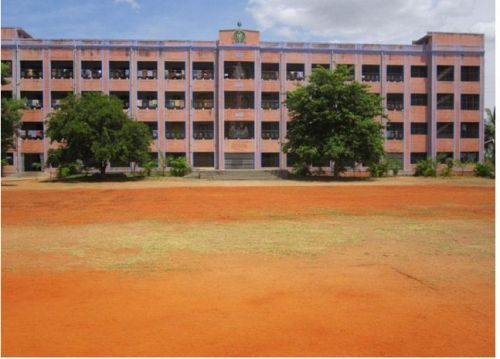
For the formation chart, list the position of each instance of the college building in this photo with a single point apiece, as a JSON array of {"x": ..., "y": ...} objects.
[{"x": 220, "y": 103}]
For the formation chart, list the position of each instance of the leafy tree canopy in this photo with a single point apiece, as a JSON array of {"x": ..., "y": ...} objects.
[
  {"x": 333, "y": 120},
  {"x": 94, "y": 129},
  {"x": 11, "y": 115},
  {"x": 489, "y": 134}
]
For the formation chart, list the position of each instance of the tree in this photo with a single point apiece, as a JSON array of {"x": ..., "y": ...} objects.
[
  {"x": 333, "y": 119},
  {"x": 94, "y": 129},
  {"x": 489, "y": 135},
  {"x": 11, "y": 115}
]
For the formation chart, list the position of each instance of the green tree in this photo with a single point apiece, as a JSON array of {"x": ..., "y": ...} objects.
[
  {"x": 489, "y": 135},
  {"x": 333, "y": 120},
  {"x": 94, "y": 129},
  {"x": 11, "y": 115}
]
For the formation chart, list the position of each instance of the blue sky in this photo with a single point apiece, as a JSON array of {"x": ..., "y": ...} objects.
[{"x": 352, "y": 21}]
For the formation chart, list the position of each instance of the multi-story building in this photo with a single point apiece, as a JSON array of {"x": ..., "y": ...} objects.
[{"x": 219, "y": 103}]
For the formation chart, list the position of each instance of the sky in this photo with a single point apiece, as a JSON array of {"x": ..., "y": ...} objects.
[{"x": 351, "y": 21}]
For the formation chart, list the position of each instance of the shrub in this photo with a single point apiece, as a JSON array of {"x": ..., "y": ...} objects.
[
  {"x": 301, "y": 169},
  {"x": 179, "y": 166},
  {"x": 426, "y": 168},
  {"x": 148, "y": 167},
  {"x": 448, "y": 170},
  {"x": 379, "y": 169},
  {"x": 486, "y": 170}
]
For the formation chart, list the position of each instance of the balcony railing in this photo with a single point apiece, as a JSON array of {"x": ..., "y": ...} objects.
[
  {"x": 203, "y": 75},
  {"x": 174, "y": 104},
  {"x": 203, "y": 104},
  {"x": 270, "y": 104},
  {"x": 395, "y": 77},
  {"x": 31, "y": 74},
  {"x": 270, "y": 75},
  {"x": 203, "y": 135},
  {"x": 91, "y": 74},
  {"x": 119, "y": 74},
  {"x": 295, "y": 75},
  {"x": 147, "y": 74},
  {"x": 395, "y": 106},
  {"x": 61, "y": 73},
  {"x": 175, "y": 135},
  {"x": 371, "y": 77},
  {"x": 270, "y": 134},
  {"x": 147, "y": 104},
  {"x": 34, "y": 104},
  {"x": 31, "y": 134},
  {"x": 175, "y": 75}
]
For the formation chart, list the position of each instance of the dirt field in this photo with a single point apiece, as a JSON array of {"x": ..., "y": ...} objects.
[{"x": 394, "y": 267}]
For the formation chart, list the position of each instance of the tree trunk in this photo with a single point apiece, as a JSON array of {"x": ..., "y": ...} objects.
[
  {"x": 336, "y": 170},
  {"x": 103, "y": 168}
]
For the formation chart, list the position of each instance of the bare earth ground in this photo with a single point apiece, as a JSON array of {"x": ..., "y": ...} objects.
[{"x": 395, "y": 267}]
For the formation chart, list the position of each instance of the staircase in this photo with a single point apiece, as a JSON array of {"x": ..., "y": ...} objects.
[{"x": 238, "y": 174}]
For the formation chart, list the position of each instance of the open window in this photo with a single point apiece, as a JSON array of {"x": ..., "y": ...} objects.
[
  {"x": 61, "y": 69},
  {"x": 239, "y": 130},
  {"x": 370, "y": 73},
  {"x": 91, "y": 70},
  {"x": 203, "y": 130},
  {"x": 119, "y": 70},
  {"x": 270, "y": 71},
  {"x": 270, "y": 130},
  {"x": 174, "y": 100},
  {"x": 240, "y": 70},
  {"x": 270, "y": 100},
  {"x": 203, "y": 70},
  {"x": 175, "y": 70},
  {"x": 295, "y": 72},
  {"x": 239, "y": 100},
  {"x": 34, "y": 99},
  {"x": 203, "y": 100},
  {"x": 175, "y": 130},
  {"x": 147, "y": 70},
  {"x": 147, "y": 100},
  {"x": 31, "y": 69}
]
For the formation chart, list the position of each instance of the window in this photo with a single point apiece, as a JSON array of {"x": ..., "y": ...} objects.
[
  {"x": 175, "y": 70},
  {"x": 469, "y": 130},
  {"x": 34, "y": 99},
  {"x": 370, "y": 73},
  {"x": 238, "y": 130},
  {"x": 203, "y": 70},
  {"x": 123, "y": 96},
  {"x": 395, "y": 101},
  {"x": 445, "y": 73},
  {"x": 419, "y": 99},
  {"x": 31, "y": 131},
  {"x": 61, "y": 69},
  {"x": 6, "y": 94},
  {"x": 9, "y": 158},
  {"x": 419, "y": 71},
  {"x": 203, "y": 100},
  {"x": 394, "y": 131},
  {"x": 445, "y": 101},
  {"x": 147, "y": 70},
  {"x": 469, "y": 102},
  {"x": 31, "y": 70},
  {"x": 469, "y": 156},
  {"x": 469, "y": 73},
  {"x": 239, "y": 160},
  {"x": 325, "y": 66},
  {"x": 350, "y": 70},
  {"x": 418, "y": 128},
  {"x": 172, "y": 155},
  {"x": 270, "y": 100},
  {"x": 203, "y": 130},
  {"x": 270, "y": 72},
  {"x": 270, "y": 130},
  {"x": 444, "y": 130},
  {"x": 30, "y": 159},
  {"x": 174, "y": 100},
  {"x": 153, "y": 128},
  {"x": 238, "y": 100},
  {"x": 203, "y": 159},
  {"x": 119, "y": 70},
  {"x": 395, "y": 73},
  {"x": 416, "y": 157},
  {"x": 443, "y": 157},
  {"x": 397, "y": 157},
  {"x": 57, "y": 98},
  {"x": 239, "y": 70},
  {"x": 295, "y": 72},
  {"x": 175, "y": 130},
  {"x": 270, "y": 159},
  {"x": 147, "y": 100},
  {"x": 91, "y": 70}
]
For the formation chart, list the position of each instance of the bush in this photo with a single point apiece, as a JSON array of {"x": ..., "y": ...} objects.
[
  {"x": 179, "y": 166},
  {"x": 148, "y": 167},
  {"x": 68, "y": 169},
  {"x": 486, "y": 170},
  {"x": 301, "y": 169},
  {"x": 379, "y": 169},
  {"x": 448, "y": 170},
  {"x": 426, "y": 168}
]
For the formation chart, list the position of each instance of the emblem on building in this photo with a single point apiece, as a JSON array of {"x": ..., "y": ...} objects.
[{"x": 239, "y": 36}]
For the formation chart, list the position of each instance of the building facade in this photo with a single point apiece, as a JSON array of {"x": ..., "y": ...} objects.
[{"x": 219, "y": 103}]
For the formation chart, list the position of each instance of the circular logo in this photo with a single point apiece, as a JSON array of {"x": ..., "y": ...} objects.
[{"x": 239, "y": 37}]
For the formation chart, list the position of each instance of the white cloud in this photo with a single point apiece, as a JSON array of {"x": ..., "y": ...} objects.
[
  {"x": 376, "y": 21},
  {"x": 133, "y": 3}
]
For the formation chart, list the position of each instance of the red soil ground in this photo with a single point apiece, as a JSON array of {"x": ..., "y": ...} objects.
[{"x": 249, "y": 305}]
